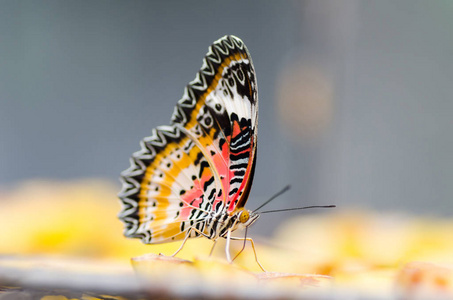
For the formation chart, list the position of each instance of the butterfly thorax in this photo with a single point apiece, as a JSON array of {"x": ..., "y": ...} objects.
[{"x": 219, "y": 223}]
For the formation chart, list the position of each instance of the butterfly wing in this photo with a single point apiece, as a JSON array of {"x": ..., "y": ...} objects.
[{"x": 204, "y": 161}]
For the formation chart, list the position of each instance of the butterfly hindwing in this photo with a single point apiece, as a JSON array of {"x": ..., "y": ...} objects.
[{"x": 203, "y": 161}]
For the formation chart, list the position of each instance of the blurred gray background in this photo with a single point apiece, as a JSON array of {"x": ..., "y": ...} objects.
[{"x": 355, "y": 96}]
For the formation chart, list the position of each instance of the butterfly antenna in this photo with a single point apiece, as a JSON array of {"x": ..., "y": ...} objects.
[
  {"x": 285, "y": 189},
  {"x": 297, "y": 208}
]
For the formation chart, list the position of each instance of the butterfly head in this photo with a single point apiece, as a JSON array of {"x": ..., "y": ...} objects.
[{"x": 246, "y": 217}]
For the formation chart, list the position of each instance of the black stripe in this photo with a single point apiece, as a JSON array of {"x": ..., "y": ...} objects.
[
  {"x": 239, "y": 173},
  {"x": 204, "y": 164},
  {"x": 233, "y": 191},
  {"x": 239, "y": 156},
  {"x": 236, "y": 179},
  {"x": 221, "y": 142},
  {"x": 197, "y": 226},
  {"x": 218, "y": 205},
  {"x": 207, "y": 183},
  {"x": 237, "y": 139},
  {"x": 200, "y": 212},
  {"x": 206, "y": 206},
  {"x": 198, "y": 159},
  {"x": 192, "y": 215},
  {"x": 188, "y": 147},
  {"x": 243, "y": 147},
  {"x": 211, "y": 196},
  {"x": 239, "y": 166},
  {"x": 239, "y": 143},
  {"x": 202, "y": 225}
]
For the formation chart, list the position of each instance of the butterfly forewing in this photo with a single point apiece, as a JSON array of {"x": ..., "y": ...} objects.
[{"x": 204, "y": 161}]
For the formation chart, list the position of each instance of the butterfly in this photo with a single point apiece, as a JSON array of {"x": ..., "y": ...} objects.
[{"x": 192, "y": 178}]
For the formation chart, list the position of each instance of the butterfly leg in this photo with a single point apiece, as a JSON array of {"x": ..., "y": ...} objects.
[
  {"x": 253, "y": 247},
  {"x": 183, "y": 242},
  {"x": 212, "y": 249},
  {"x": 242, "y": 249},
  {"x": 187, "y": 236},
  {"x": 227, "y": 246},
  {"x": 243, "y": 244}
]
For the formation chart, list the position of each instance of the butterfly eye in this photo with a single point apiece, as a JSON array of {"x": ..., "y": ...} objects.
[{"x": 244, "y": 216}]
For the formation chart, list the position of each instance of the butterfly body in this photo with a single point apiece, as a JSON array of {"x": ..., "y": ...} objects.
[
  {"x": 219, "y": 223},
  {"x": 193, "y": 177}
]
